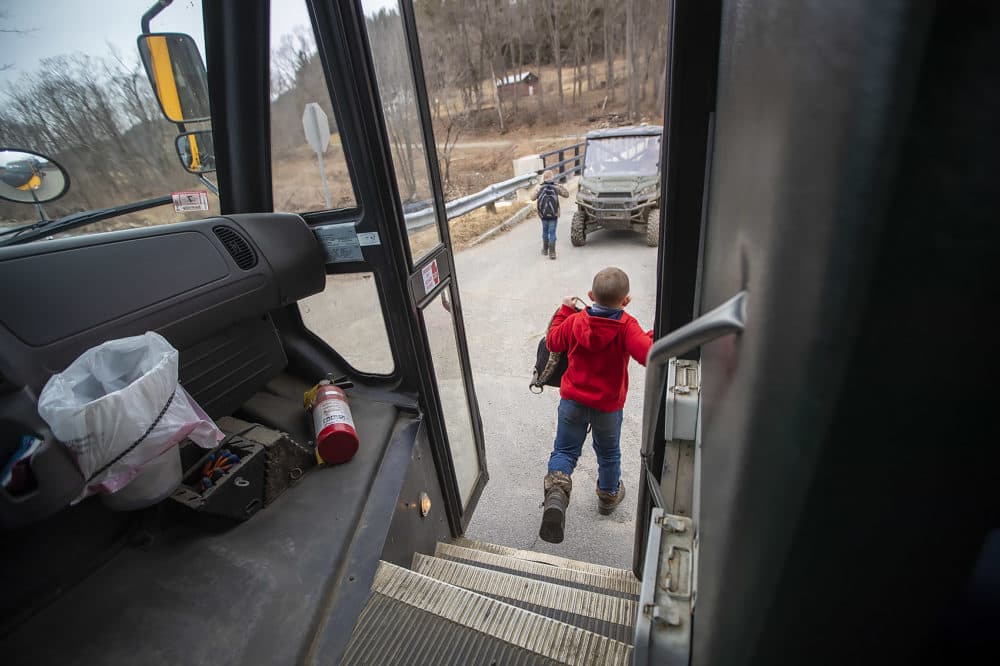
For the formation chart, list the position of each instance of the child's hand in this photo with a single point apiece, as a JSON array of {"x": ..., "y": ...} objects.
[{"x": 569, "y": 301}]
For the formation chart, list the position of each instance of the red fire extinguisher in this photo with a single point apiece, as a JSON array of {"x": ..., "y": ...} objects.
[{"x": 333, "y": 425}]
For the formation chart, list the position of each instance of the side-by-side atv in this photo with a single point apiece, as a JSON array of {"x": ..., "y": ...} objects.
[{"x": 620, "y": 184}]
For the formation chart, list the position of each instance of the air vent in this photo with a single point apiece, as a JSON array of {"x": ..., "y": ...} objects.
[{"x": 237, "y": 246}]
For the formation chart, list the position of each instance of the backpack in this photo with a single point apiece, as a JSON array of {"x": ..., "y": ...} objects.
[
  {"x": 549, "y": 366},
  {"x": 548, "y": 201}
]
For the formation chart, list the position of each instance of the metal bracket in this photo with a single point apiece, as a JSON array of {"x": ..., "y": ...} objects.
[
  {"x": 682, "y": 399},
  {"x": 663, "y": 628}
]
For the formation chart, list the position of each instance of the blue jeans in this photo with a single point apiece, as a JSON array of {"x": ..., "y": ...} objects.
[
  {"x": 549, "y": 229},
  {"x": 572, "y": 431}
]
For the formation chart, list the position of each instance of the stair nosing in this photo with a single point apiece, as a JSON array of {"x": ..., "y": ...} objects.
[
  {"x": 621, "y": 585},
  {"x": 548, "y": 637},
  {"x": 542, "y": 558}
]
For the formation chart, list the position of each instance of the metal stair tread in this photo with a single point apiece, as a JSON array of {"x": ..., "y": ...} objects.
[
  {"x": 622, "y": 586},
  {"x": 478, "y": 628},
  {"x": 602, "y": 614},
  {"x": 543, "y": 558}
]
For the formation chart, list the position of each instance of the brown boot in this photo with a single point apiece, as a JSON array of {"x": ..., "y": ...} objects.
[
  {"x": 552, "y": 250},
  {"x": 545, "y": 247},
  {"x": 557, "y": 489},
  {"x": 606, "y": 502}
]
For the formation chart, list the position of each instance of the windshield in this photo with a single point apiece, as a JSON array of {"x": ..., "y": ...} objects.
[
  {"x": 72, "y": 88},
  {"x": 622, "y": 156}
]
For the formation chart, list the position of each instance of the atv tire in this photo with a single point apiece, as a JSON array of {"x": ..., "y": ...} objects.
[
  {"x": 578, "y": 230},
  {"x": 652, "y": 228}
]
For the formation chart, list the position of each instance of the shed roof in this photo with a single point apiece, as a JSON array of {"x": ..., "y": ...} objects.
[{"x": 514, "y": 78}]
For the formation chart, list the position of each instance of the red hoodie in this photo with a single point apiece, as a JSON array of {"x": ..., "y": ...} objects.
[{"x": 598, "y": 350}]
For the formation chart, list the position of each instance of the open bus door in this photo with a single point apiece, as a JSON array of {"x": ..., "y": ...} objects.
[{"x": 401, "y": 233}]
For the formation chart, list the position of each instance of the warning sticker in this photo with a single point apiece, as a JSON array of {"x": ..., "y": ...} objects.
[
  {"x": 186, "y": 202},
  {"x": 432, "y": 277}
]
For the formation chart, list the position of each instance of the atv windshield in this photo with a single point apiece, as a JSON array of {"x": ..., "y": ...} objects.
[{"x": 622, "y": 156}]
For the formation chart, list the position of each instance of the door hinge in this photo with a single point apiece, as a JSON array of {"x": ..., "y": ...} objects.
[{"x": 663, "y": 630}]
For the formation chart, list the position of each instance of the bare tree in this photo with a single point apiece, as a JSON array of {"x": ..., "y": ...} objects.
[
  {"x": 631, "y": 59},
  {"x": 609, "y": 38},
  {"x": 553, "y": 20}
]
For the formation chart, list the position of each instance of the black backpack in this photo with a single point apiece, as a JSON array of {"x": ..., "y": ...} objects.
[
  {"x": 548, "y": 201},
  {"x": 549, "y": 366}
]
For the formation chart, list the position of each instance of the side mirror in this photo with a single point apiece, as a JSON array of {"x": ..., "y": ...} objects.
[
  {"x": 177, "y": 73},
  {"x": 197, "y": 151},
  {"x": 30, "y": 178}
]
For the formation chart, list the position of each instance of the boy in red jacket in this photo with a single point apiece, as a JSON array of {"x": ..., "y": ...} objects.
[{"x": 598, "y": 342}]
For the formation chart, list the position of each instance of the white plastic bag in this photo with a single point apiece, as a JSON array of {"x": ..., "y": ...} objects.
[{"x": 119, "y": 406}]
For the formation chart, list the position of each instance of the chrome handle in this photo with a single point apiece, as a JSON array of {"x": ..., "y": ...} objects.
[{"x": 726, "y": 319}]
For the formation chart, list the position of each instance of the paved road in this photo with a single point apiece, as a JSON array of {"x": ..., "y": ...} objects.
[{"x": 508, "y": 295}]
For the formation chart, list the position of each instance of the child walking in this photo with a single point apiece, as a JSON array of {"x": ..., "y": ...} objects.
[
  {"x": 547, "y": 195},
  {"x": 598, "y": 342}
]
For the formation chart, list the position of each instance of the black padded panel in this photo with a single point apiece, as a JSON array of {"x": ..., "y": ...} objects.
[
  {"x": 225, "y": 370},
  {"x": 177, "y": 279},
  {"x": 66, "y": 291},
  {"x": 291, "y": 249}
]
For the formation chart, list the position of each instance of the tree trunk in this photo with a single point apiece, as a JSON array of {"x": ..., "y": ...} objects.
[
  {"x": 538, "y": 72},
  {"x": 609, "y": 49},
  {"x": 590, "y": 57},
  {"x": 631, "y": 60},
  {"x": 496, "y": 95},
  {"x": 557, "y": 49},
  {"x": 660, "y": 79},
  {"x": 519, "y": 65}
]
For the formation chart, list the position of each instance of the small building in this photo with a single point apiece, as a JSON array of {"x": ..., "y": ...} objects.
[{"x": 517, "y": 85}]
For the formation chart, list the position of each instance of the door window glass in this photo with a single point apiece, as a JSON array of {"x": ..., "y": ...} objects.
[
  {"x": 308, "y": 167},
  {"x": 400, "y": 109},
  {"x": 445, "y": 356},
  {"x": 347, "y": 315}
]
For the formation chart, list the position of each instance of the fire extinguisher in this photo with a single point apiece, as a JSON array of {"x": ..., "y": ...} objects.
[{"x": 333, "y": 425}]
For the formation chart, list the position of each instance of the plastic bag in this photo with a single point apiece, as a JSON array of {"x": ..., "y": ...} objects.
[{"x": 119, "y": 406}]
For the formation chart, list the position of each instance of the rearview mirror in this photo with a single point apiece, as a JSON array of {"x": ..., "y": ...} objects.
[
  {"x": 30, "y": 178},
  {"x": 177, "y": 73},
  {"x": 197, "y": 151}
]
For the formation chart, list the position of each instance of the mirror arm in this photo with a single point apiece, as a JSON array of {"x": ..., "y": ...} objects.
[
  {"x": 212, "y": 187},
  {"x": 158, "y": 7}
]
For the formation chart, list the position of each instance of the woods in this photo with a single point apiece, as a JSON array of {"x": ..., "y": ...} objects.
[
  {"x": 594, "y": 57},
  {"x": 99, "y": 119},
  {"x": 492, "y": 67}
]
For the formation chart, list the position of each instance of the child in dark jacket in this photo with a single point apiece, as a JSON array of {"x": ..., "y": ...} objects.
[{"x": 598, "y": 342}]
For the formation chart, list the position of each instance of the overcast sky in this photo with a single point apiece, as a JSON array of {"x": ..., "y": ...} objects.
[{"x": 59, "y": 27}]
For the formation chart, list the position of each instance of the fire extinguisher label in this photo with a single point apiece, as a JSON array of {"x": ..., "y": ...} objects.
[{"x": 329, "y": 412}]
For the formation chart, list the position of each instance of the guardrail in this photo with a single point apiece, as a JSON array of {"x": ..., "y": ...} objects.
[
  {"x": 562, "y": 164},
  {"x": 458, "y": 207}
]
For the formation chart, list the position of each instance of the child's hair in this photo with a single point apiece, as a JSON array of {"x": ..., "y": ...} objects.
[
  {"x": 548, "y": 175},
  {"x": 610, "y": 287}
]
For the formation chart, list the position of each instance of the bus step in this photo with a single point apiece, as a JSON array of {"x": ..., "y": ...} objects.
[
  {"x": 622, "y": 584},
  {"x": 602, "y": 614},
  {"x": 415, "y": 619},
  {"x": 543, "y": 558}
]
